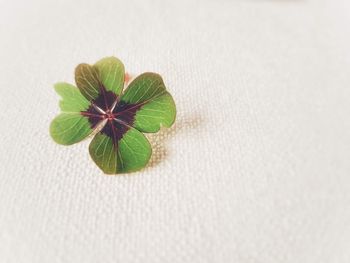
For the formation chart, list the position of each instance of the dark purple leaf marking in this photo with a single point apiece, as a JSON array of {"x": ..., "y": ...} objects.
[{"x": 120, "y": 116}]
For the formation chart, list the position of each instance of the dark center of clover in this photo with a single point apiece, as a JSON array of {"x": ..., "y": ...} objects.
[
  {"x": 120, "y": 115},
  {"x": 109, "y": 115}
]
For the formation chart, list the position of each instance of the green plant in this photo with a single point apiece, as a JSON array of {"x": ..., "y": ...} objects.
[{"x": 117, "y": 118}]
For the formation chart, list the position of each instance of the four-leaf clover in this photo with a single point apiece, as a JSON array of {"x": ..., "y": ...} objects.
[{"x": 117, "y": 118}]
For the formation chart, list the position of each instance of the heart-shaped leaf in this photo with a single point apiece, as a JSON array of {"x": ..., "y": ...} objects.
[
  {"x": 111, "y": 71},
  {"x": 129, "y": 153},
  {"x": 70, "y": 126},
  {"x": 88, "y": 81},
  {"x": 155, "y": 105}
]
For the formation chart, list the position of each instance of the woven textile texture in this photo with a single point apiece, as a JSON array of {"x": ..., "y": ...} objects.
[{"x": 255, "y": 169}]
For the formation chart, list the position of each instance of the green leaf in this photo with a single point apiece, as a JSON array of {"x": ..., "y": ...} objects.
[
  {"x": 156, "y": 105},
  {"x": 69, "y": 128},
  {"x": 111, "y": 72},
  {"x": 88, "y": 82},
  {"x": 72, "y": 99},
  {"x": 131, "y": 153}
]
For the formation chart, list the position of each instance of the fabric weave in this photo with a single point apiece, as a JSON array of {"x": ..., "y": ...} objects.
[{"x": 255, "y": 169}]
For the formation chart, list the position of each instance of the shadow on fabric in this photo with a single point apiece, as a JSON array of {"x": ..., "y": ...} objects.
[{"x": 158, "y": 140}]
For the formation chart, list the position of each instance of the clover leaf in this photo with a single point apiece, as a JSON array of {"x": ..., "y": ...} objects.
[{"x": 117, "y": 118}]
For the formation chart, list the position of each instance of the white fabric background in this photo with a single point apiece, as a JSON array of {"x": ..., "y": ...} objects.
[{"x": 256, "y": 168}]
